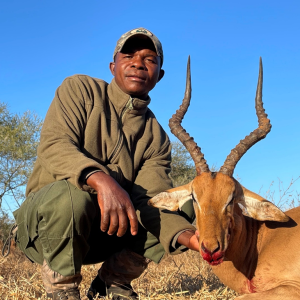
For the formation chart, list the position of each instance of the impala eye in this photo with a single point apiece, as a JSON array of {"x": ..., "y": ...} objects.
[
  {"x": 194, "y": 200},
  {"x": 229, "y": 205}
]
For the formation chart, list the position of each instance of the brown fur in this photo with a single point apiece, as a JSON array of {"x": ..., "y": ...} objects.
[{"x": 261, "y": 258}]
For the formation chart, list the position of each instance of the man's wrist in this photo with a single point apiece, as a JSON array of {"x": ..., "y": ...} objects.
[
  {"x": 175, "y": 243},
  {"x": 86, "y": 173},
  {"x": 189, "y": 239},
  {"x": 99, "y": 181}
]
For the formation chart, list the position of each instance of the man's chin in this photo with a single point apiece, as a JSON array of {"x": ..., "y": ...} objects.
[{"x": 137, "y": 91}]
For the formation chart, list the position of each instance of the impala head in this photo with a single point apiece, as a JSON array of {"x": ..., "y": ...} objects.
[{"x": 218, "y": 196}]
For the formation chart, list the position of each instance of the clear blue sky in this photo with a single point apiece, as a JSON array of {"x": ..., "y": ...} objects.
[{"x": 42, "y": 42}]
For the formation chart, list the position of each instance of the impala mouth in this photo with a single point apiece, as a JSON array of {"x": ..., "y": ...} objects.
[
  {"x": 216, "y": 262},
  {"x": 213, "y": 259}
]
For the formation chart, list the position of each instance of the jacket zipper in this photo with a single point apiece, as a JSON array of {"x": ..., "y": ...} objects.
[{"x": 128, "y": 106}]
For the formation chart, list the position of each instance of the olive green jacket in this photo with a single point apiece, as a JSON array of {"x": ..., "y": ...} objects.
[{"x": 92, "y": 124}]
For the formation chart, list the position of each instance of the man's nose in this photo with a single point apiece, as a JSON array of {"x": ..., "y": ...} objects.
[{"x": 138, "y": 63}]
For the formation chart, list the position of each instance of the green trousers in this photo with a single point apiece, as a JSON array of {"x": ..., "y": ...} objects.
[{"x": 61, "y": 224}]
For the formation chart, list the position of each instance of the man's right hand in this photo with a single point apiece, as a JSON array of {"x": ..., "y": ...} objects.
[{"x": 115, "y": 205}]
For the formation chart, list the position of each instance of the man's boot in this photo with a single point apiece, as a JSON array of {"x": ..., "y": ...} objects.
[
  {"x": 115, "y": 275},
  {"x": 59, "y": 287}
]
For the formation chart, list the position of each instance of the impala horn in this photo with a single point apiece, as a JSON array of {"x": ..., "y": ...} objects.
[
  {"x": 258, "y": 134},
  {"x": 181, "y": 134}
]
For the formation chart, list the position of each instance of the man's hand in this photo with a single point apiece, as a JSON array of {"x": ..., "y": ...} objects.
[
  {"x": 115, "y": 205},
  {"x": 190, "y": 239}
]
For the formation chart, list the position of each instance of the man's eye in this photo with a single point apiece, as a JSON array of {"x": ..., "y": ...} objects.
[{"x": 151, "y": 60}]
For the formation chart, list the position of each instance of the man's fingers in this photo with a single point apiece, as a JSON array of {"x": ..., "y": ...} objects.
[
  {"x": 114, "y": 223},
  {"x": 194, "y": 243},
  {"x": 104, "y": 220},
  {"x": 123, "y": 224},
  {"x": 133, "y": 220},
  {"x": 115, "y": 209}
]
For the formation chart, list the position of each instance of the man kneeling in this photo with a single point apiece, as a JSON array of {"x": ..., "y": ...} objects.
[{"x": 102, "y": 156}]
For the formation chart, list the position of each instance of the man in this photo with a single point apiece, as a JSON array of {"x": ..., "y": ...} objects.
[{"x": 102, "y": 155}]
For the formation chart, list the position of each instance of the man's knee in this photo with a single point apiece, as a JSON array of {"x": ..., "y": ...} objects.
[
  {"x": 58, "y": 210},
  {"x": 63, "y": 204}
]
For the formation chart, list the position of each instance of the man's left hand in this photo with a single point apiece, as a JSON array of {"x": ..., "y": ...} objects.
[{"x": 189, "y": 239}]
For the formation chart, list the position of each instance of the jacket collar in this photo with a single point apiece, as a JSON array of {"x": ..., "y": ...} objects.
[{"x": 120, "y": 99}]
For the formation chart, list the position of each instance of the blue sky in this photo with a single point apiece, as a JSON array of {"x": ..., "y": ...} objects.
[{"x": 42, "y": 42}]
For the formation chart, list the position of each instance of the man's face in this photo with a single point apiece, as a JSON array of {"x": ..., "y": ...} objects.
[{"x": 137, "y": 67}]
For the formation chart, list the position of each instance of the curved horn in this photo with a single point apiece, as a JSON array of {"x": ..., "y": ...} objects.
[
  {"x": 181, "y": 134},
  {"x": 258, "y": 134}
]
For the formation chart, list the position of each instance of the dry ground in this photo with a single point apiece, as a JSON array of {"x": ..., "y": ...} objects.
[{"x": 183, "y": 276}]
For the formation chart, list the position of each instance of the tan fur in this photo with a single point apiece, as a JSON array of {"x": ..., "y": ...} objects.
[{"x": 261, "y": 258}]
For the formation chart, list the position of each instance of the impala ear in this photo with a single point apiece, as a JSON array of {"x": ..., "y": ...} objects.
[
  {"x": 256, "y": 207},
  {"x": 172, "y": 199}
]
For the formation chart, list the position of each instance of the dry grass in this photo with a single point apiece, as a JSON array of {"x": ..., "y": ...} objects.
[{"x": 183, "y": 276}]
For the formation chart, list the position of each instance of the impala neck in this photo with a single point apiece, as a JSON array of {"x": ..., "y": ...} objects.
[{"x": 241, "y": 256}]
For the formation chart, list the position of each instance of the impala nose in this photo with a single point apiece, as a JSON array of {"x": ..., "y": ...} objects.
[{"x": 210, "y": 249}]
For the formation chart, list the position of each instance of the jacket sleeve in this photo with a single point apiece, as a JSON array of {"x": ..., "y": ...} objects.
[
  {"x": 152, "y": 179},
  {"x": 62, "y": 136}
]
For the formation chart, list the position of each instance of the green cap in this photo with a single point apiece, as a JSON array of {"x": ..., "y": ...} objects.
[{"x": 139, "y": 31}]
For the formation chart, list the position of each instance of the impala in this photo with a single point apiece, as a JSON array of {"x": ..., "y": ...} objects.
[{"x": 251, "y": 245}]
